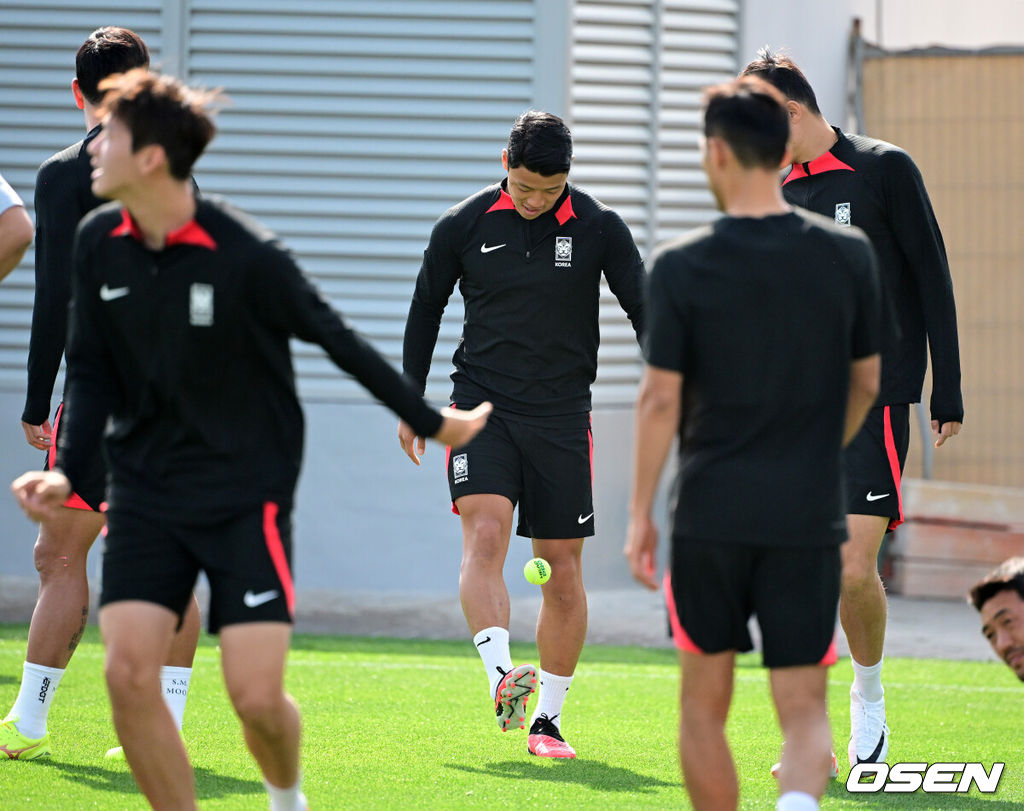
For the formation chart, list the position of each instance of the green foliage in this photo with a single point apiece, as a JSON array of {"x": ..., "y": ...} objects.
[{"x": 407, "y": 724}]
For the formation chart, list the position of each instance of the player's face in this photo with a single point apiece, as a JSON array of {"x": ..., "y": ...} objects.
[
  {"x": 533, "y": 194},
  {"x": 112, "y": 161},
  {"x": 1002, "y": 623}
]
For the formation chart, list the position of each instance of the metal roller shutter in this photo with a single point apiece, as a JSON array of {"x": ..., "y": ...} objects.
[
  {"x": 352, "y": 127},
  {"x": 38, "y": 42},
  {"x": 638, "y": 68}
]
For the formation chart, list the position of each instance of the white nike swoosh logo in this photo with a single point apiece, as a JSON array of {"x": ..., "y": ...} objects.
[
  {"x": 252, "y": 600},
  {"x": 111, "y": 293},
  {"x": 583, "y": 519},
  {"x": 875, "y": 498},
  {"x": 485, "y": 249}
]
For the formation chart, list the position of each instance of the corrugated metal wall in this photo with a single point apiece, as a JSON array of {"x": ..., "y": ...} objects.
[
  {"x": 353, "y": 125},
  {"x": 638, "y": 71},
  {"x": 38, "y": 41},
  {"x": 956, "y": 115}
]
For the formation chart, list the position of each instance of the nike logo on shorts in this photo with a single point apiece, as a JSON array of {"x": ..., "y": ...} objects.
[
  {"x": 487, "y": 249},
  {"x": 584, "y": 518},
  {"x": 871, "y": 497},
  {"x": 253, "y": 600},
  {"x": 111, "y": 293}
]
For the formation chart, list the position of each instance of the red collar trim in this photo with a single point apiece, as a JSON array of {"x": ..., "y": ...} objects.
[
  {"x": 821, "y": 164},
  {"x": 191, "y": 233},
  {"x": 503, "y": 202},
  {"x": 565, "y": 212}
]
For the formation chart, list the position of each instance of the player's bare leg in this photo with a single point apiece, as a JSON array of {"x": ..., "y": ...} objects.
[
  {"x": 708, "y": 768},
  {"x": 253, "y": 656},
  {"x": 799, "y": 695},
  {"x": 486, "y": 528},
  {"x": 62, "y": 609},
  {"x": 862, "y": 604},
  {"x": 137, "y": 636},
  {"x": 183, "y": 646},
  {"x": 562, "y": 623}
]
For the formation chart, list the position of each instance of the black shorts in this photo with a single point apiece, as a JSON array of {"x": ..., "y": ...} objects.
[
  {"x": 246, "y": 558},
  {"x": 873, "y": 464},
  {"x": 715, "y": 588},
  {"x": 91, "y": 490},
  {"x": 545, "y": 465}
]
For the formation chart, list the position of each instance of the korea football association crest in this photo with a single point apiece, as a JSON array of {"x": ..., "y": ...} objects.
[
  {"x": 843, "y": 214},
  {"x": 460, "y": 467},
  {"x": 563, "y": 252},
  {"x": 200, "y": 305}
]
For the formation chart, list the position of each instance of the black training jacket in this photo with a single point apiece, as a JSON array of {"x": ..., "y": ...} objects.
[
  {"x": 877, "y": 187},
  {"x": 186, "y": 351},
  {"x": 531, "y": 289}
]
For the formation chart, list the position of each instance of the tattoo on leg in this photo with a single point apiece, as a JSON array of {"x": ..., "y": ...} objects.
[{"x": 77, "y": 636}]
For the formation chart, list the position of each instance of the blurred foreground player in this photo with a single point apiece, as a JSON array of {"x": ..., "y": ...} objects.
[
  {"x": 999, "y": 598},
  {"x": 762, "y": 353},
  {"x": 181, "y": 317}
]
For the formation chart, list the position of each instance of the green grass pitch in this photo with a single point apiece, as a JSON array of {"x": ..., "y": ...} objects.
[{"x": 407, "y": 724}]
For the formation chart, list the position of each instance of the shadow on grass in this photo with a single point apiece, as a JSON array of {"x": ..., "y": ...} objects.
[
  {"x": 10, "y": 680},
  {"x": 209, "y": 785},
  {"x": 960, "y": 802},
  {"x": 590, "y": 773}
]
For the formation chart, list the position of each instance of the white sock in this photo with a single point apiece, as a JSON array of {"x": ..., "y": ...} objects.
[
  {"x": 868, "y": 680},
  {"x": 796, "y": 801},
  {"x": 492, "y": 645},
  {"x": 552, "y": 696},
  {"x": 287, "y": 799},
  {"x": 38, "y": 684},
  {"x": 174, "y": 686}
]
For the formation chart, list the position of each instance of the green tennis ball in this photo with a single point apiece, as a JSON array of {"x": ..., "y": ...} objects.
[{"x": 537, "y": 571}]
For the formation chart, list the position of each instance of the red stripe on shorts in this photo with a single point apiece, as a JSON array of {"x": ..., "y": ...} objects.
[
  {"x": 894, "y": 464},
  {"x": 831, "y": 655},
  {"x": 277, "y": 555},
  {"x": 590, "y": 440},
  {"x": 75, "y": 501},
  {"x": 447, "y": 461},
  {"x": 679, "y": 635}
]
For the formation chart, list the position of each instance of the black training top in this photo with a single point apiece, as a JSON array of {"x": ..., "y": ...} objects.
[
  {"x": 762, "y": 316},
  {"x": 877, "y": 187},
  {"x": 63, "y": 196},
  {"x": 186, "y": 349},
  {"x": 531, "y": 289}
]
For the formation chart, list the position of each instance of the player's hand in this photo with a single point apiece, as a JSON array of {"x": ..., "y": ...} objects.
[
  {"x": 41, "y": 492},
  {"x": 38, "y": 436},
  {"x": 944, "y": 431},
  {"x": 641, "y": 549},
  {"x": 414, "y": 446},
  {"x": 459, "y": 427}
]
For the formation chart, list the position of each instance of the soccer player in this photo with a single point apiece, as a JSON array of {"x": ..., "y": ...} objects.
[
  {"x": 182, "y": 310},
  {"x": 63, "y": 197},
  {"x": 876, "y": 186},
  {"x": 762, "y": 353},
  {"x": 527, "y": 254},
  {"x": 16, "y": 228},
  {"x": 999, "y": 598}
]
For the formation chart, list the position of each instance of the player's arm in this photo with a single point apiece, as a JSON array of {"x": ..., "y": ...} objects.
[
  {"x": 658, "y": 410},
  {"x": 917, "y": 230},
  {"x": 58, "y": 212},
  {"x": 16, "y": 231},
  {"x": 658, "y": 406},
  {"x": 435, "y": 282},
  {"x": 285, "y": 297},
  {"x": 865, "y": 377},
  {"x": 90, "y": 394},
  {"x": 624, "y": 270}
]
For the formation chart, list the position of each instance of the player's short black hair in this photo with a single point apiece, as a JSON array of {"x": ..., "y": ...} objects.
[
  {"x": 162, "y": 110},
  {"x": 540, "y": 142},
  {"x": 107, "y": 51},
  {"x": 782, "y": 73},
  {"x": 1009, "y": 575},
  {"x": 750, "y": 116}
]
